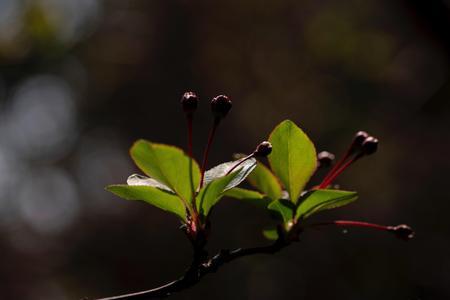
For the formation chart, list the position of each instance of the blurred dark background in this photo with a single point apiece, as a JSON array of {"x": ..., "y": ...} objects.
[{"x": 80, "y": 80}]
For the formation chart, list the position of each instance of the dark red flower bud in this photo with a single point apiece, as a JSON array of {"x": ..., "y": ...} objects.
[
  {"x": 370, "y": 145},
  {"x": 263, "y": 149},
  {"x": 403, "y": 232},
  {"x": 358, "y": 140},
  {"x": 189, "y": 102},
  {"x": 220, "y": 106},
  {"x": 360, "y": 137},
  {"x": 325, "y": 158}
]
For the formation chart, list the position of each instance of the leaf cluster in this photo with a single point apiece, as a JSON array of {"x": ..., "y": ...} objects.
[
  {"x": 172, "y": 181},
  {"x": 281, "y": 187}
]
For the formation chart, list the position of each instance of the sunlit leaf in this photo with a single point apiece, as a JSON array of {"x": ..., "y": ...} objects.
[
  {"x": 293, "y": 158},
  {"x": 152, "y": 195},
  {"x": 263, "y": 179},
  {"x": 249, "y": 196},
  {"x": 318, "y": 200},
  {"x": 136, "y": 179},
  {"x": 168, "y": 165},
  {"x": 284, "y": 208},
  {"x": 245, "y": 168}
]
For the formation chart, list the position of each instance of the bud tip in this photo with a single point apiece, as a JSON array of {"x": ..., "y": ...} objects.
[
  {"x": 403, "y": 232},
  {"x": 325, "y": 158},
  {"x": 263, "y": 149},
  {"x": 220, "y": 106},
  {"x": 189, "y": 102},
  {"x": 370, "y": 145}
]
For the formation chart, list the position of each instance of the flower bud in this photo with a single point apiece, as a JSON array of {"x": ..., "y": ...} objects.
[
  {"x": 403, "y": 232},
  {"x": 189, "y": 102},
  {"x": 360, "y": 137},
  {"x": 263, "y": 149},
  {"x": 370, "y": 145},
  {"x": 220, "y": 106},
  {"x": 325, "y": 158}
]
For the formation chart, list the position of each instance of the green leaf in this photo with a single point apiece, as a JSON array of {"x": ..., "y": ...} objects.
[
  {"x": 264, "y": 180},
  {"x": 210, "y": 194},
  {"x": 244, "y": 169},
  {"x": 152, "y": 195},
  {"x": 323, "y": 199},
  {"x": 293, "y": 158},
  {"x": 249, "y": 196},
  {"x": 271, "y": 234},
  {"x": 284, "y": 208},
  {"x": 139, "y": 180},
  {"x": 168, "y": 165}
]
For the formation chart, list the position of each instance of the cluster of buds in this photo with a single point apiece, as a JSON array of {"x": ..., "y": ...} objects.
[
  {"x": 362, "y": 145},
  {"x": 220, "y": 107}
]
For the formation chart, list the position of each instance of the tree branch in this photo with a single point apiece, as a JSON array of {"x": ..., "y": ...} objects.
[{"x": 200, "y": 267}]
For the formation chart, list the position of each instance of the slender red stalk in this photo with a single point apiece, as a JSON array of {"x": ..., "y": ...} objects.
[
  {"x": 189, "y": 127},
  {"x": 402, "y": 231},
  {"x": 212, "y": 132},
  {"x": 342, "y": 223},
  {"x": 327, "y": 181},
  {"x": 191, "y": 156},
  {"x": 358, "y": 140},
  {"x": 336, "y": 167},
  {"x": 345, "y": 223},
  {"x": 240, "y": 163}
]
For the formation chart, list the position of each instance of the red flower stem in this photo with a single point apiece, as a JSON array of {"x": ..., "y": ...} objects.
[
  {"x": 189, "y": 127},
  {"x": 337, "y": 165},
  {"x": 191, "y": 156},
  {"x": 327, "y": 181},
  {"x": 212, "y": 132},
  {"x": 240, "y": 163},
  {"x": 342, "y": 223}
]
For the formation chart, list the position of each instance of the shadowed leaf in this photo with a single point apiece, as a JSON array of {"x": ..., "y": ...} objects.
[
  {"x": 318, "y": 200},
  {"x": 284, "y": 208},
  {"x": 249, "y": 196},
  {"x": 270, "y": 234},
  {"x": 264, "y": 180}
]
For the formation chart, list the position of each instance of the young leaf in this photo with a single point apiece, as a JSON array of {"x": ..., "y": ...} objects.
[
  {"x": 152, "y": 195},
  {"x": 323, "y": 199},
  {"x": 136, "y": 179},
  {"x": 263, "y": 179},
  {"x": 168, "y": 165},
  {"x": 293, "y": 158},
  {"x": 248, "y": 196},
  {"x": 283, "y": 208},
  {"x": 210, "y": 194},
  {"x": 270, "y": 234},
  {"x": 221, "y": 170}
]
